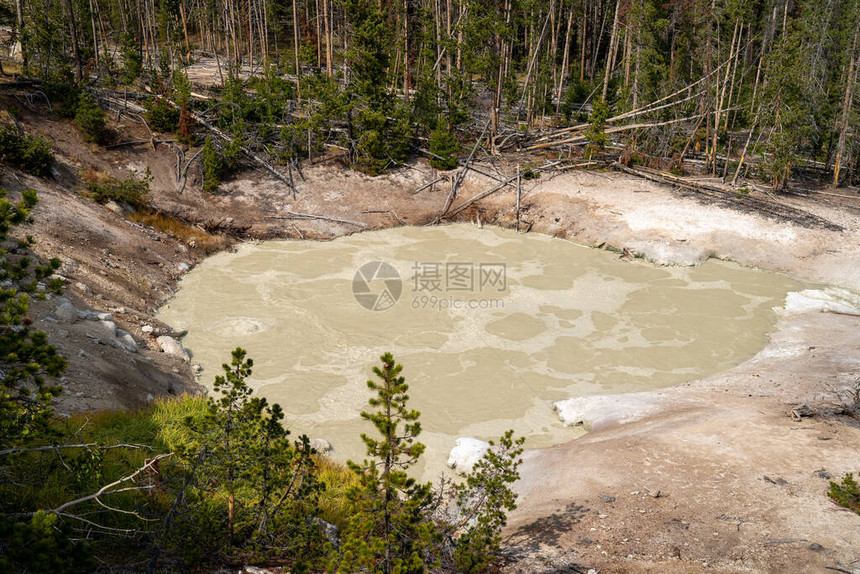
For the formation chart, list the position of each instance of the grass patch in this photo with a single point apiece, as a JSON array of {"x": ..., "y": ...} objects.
[
  {"x": 169, "y": 415},
  {"x": 337, "y": 478},
  {"x": 184, "y": 232}
]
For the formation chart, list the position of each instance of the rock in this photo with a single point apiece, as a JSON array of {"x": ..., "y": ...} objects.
[
  {"x": 84, "y": 355},
  {"x": 606, "y": 498},
  {"x": 254, "y": 570},
  {"x": 183, "y": 267},
  {"x": 172, "y": 347},
  {"x": 830, "y": 299},
  {"x": 107, "y": 328},
  {"x": 147, "y": 329},
  {"x": 606, "y": 410},
  {"x": 320, "y": 445},
  {"x": 82, "y": 288},
  {"x": 466, "y": 453},
  {"x": 126, "y": 341},
  {"x": 328, "y": 529},
  {"x": 114, "y": 206},
  {"x": 65, "y": 311},
  {"x": 94, "y": 315}
]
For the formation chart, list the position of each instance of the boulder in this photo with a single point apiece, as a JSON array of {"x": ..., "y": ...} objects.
[
  {"x": 126, "y": 341},
  {"x": 329, "y": 530},
  {"x": 172, "y": 347},
  {"x": 65, "y": 311},
  {"x": 466, "y": 453},
  {"x": 107, "y": 329},
  {"x": 320, "y": 445}
]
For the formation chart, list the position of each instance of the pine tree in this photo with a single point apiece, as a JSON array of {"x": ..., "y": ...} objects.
[
  {"x": 388, "y": 531},
  {"x": 212, "y": 166},
  {"x": 241, "y": 454},
  {"x": 596, "y": 131}
]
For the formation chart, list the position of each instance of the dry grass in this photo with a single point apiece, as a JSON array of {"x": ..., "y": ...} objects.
[
  {"x": 337, "y": 478},
  {"x": 206, "y": 242},
  {"x": 96, "y": 177}
]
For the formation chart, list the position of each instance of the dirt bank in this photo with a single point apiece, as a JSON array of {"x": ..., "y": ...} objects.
[{"x": 736, "y": 474}]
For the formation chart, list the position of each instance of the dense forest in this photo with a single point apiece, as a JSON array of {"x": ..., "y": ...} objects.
[{"x": 741, "y": 88}]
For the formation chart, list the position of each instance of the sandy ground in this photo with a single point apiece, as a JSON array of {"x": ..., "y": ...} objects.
[{"x": 736, "y": 475}]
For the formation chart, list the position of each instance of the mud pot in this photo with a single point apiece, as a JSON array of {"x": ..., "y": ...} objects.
[{"x": 493, "y": 327}]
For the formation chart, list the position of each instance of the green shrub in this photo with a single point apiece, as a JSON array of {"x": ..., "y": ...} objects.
[
  {"x": 131, "y": 191},
  {"x": 212, "y": 166},
  {"x": 90, "y": 118},
  {"x": 64, "y": 96},
  {"x": 595, "y": 133},
  {"x": 30, "y": 153},
  {"x": 41, "y": 545},
  {"x": 444, "y": 147},
  {"x": 846, "y": 493},
  {"x": 132, "y": 59},
  {"x": 218, "y": 165},
  {"x": 161, "y": 115}
]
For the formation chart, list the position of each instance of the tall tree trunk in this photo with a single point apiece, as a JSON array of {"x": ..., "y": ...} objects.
[
  {"x": 565, "y": 62},
  {"x": 328, "y": 50},
  {"x": 95, "y": 33},
  {"x": 406, "y": 50},
  {"x": 184, "y": 31},
  {"x": 847, "y": 103},
  {"x": 720, "y": 101},
  {"x": 19, "y": 6},
  {"x": 296, "y": 47},
  {"x": 613, "y": 42},
  {"x": 74, "y": 32}
]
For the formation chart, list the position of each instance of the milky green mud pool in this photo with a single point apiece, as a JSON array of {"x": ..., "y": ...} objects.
[{"x": 536, "y": 320}]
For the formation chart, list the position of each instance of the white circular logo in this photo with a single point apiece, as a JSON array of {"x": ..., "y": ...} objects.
[{"x": 377, "y": 286}]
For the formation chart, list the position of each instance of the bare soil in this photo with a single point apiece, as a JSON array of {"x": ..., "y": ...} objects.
[{"x": 739, "y": 479}]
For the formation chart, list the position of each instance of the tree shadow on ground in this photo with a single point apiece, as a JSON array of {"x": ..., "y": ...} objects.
[
  {"x": 524, "y": 548},
  {"x": 548, "y": 530}
]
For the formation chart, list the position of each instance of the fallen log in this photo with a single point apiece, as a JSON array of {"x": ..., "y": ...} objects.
[
  {"x": 426, "y": 185},
  {"x": 501, "y": 185},
  {"x": 389, "y": 211},
  {"x": 297, "y": 215},
  {"x": 458, "y": 179}
]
